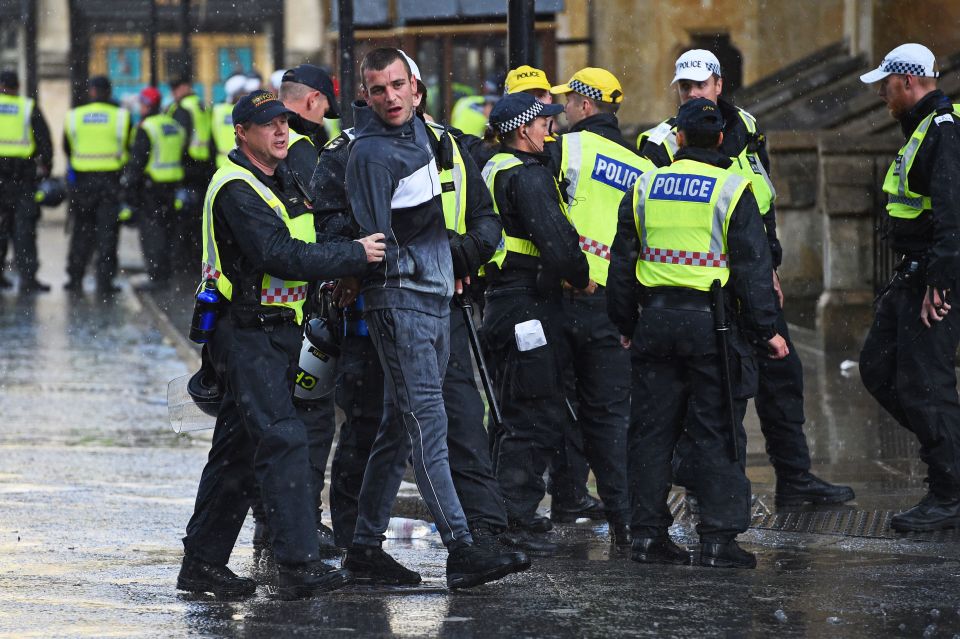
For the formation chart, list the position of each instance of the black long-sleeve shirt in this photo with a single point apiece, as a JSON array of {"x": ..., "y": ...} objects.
[
  {"x": 934, "y": 234},
  {"x": 528, "y": 200},
  {"x": 24, "y": 170},
  {"x": 747, "y": 253},
  {"x": 253, "y": 240}
]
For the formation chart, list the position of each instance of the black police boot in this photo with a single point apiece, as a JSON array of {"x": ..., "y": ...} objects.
[
  {"x": 470, "y": 565},
  {"x": 525, "y": 539},
  {"x": 327, "y": 546},
  {"x": 369, "y": 564},
  {"x": 34, "y": 286},
  {"x": 306, "y": 580},
  {"x": 199, "y": 576},
  {"x": 932, "y": 513},
  {"x": 484, "y": 536},
  {"x": 588, "y": 507},
  {"x": 539, "y": 525},
  {"x": 619, "y": 535},
  {"x": 728, "y": 555},
  {"x": 799, "y": 487},
  {"x": 659, "y": 550}
]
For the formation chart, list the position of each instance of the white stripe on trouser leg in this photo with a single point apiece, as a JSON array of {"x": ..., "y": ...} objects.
[{"x": 423, "y": 463}]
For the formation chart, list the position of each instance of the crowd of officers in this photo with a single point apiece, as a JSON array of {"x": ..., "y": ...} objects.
[{"x": 603, "y": 271}]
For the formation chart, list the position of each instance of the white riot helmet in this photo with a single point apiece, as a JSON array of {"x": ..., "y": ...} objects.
[{"x": 317, "y": 377}]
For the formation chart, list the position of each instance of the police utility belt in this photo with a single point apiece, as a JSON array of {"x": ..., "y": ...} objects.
[
  {"x": 265, "y": 317},
  {"x": 676, "y": 299}
]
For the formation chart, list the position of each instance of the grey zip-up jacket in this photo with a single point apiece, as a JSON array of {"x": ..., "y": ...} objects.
[{"x": 394, "y": 188}]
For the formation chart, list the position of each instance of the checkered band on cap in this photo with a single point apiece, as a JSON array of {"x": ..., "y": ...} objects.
[
  {"x": 522, "y": 118},
  {"x": 584, "y": 89},
  {"x": 905, "y": 68}
]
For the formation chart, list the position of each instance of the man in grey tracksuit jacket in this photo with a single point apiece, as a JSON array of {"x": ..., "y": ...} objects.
[{"x": 394, "y": 186}]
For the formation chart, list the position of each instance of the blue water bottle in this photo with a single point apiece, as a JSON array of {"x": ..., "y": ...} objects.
[{"x": 205, "y": 313}]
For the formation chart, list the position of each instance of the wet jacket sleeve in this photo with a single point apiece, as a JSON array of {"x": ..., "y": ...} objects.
[
  {"x": 750, "y": 268},
  {"x": 266, "y": 243},
  {"x": 41, "y": 136},
  {"x": 623, "y": 289},
  {"x": 535, "y": 193},
  {"x": 330, "y": 208},
  {"x": 656, "y": 153},
  {"x": 770, "y": 219},
  {"x": 939, "y": 158},
  {"x": 370, "y": 187},
  {"x": 475, "y": 248}
]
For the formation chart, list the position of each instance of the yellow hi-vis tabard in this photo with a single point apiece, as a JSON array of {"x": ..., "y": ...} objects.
[
  {"x": 167, "y": 139},
  {"x": 98, "y": 134},
  {"x": 682, "y": 213},
  {"x": 274, "y": 291},
  {"x": 16, "y": 130},
  {"x": 901, "y": 201},
  {"x": 199, "y": 145},
  {"x": 222, "y": 131},
  {"x": 747, "y": 164},
  {"x": 453, "y": 193},
  {"x": 467, "y": 115},
  {"x": 502, "y": 162},
  {"x": 598, "y": 172}
]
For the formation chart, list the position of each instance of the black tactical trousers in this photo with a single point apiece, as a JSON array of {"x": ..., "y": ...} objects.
[
  {"x": 359, "y": 395},
  {"x": 259, "y": 445},
  {"x": 598, "y": 386},
  {"x": 909, "y": 369},
  {"x": 676, "y": 375},
  {"x": 93, "y": 218},
  {"x": 19, "y": 214},
  {"x": 156, "y": 218},
  {"x": 530, "y": 389}
]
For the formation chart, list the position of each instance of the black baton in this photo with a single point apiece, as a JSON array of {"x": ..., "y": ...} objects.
[
  {"x": 467, "y": 307},
  {"x": 722, "y": 329}
]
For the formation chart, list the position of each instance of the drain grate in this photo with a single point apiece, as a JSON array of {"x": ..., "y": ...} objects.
[{"x": 839, "y": 521}]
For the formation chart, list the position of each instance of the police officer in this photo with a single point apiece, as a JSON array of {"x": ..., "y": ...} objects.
[
  {"x": 221, "y": 119},
  {"x": 523, "y": 316},
  {"x": 680, "y": 228},
  {"x": 597, "y": 167},
  {"x": 255, "y": 223},
  {"x": 95, "y": 138},
  {"x": 187, "y": 109},
  {"x": 150, "y": 180},
  {"x": 26, "y": 153},
  {"x": 907, "y": 361},
  {"x": 779, "y": 400}
]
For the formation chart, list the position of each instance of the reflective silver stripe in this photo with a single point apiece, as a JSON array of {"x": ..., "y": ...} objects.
[
  {"x": 457, "y": 173},
  {"x": 720, "y": 208},
  {"x": 912, "y": 202},
  {"x": 574, "y": 154},
  {"x": 123, "y": 122},
  {"x": 641, "y": 211},
  {"x": 493, "y": 169},
  {"x": 910, "y": 152}
]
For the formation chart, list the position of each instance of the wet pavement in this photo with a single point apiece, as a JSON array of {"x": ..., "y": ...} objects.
[{"x": 95, "y": 490}]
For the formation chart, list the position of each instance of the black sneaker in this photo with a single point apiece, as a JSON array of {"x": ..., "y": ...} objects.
[
  {"x": 798, "y": 488},
  {"x": 659, "y": 550},
  {"x": 619, "y": 535},
  {"x": 528, "y": 541},
  {"x": 932, "y": 513},
  {"x": 539, "y": 524},
  {"x": 370, "y": 564},
  {"x": 470, "y": 565},
  {"x": 307, "y": 580},
  {"x": 588, "y": 507},
  {"x": 199, "y": 576},
  {"x": 728, "y": 555}
]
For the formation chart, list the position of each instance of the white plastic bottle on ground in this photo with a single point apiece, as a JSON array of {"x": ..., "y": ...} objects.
[{"x": 404, "y": 528}]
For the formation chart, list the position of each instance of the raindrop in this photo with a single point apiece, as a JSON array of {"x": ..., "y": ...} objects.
[
  {"x": 929, "y": 631},
  {"x": 780, "y": 616}
]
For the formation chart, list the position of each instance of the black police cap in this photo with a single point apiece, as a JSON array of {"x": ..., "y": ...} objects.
[
  {"x": 259, "y": 107},
  {"x": 315, "y": 78},
  {"x": 700, "y": 114},
  {"x": 516, "y": 109}
]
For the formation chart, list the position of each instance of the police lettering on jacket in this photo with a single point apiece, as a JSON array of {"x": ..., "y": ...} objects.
[
  {"x": 685, "y": 188},
  {"x": 614, "y": 173}
]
